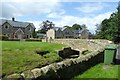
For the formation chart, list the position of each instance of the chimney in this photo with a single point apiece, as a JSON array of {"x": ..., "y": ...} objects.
[{"x": 13, "y": 19}]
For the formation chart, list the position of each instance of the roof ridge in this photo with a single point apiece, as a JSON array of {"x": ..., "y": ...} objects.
[{"x": 16, "y": 23}]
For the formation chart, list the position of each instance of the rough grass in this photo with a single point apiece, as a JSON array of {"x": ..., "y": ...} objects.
[
  {"x": 100, "y": 71},
  {"x": 19, "y": 56}
]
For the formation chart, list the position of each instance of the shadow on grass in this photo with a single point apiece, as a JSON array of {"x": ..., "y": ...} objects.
[{"x": 41, "y": 52}]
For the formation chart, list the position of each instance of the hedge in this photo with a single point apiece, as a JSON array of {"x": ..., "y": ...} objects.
[{"x": 3, "y": 37}]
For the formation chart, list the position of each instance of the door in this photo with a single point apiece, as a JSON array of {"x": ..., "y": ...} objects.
[{"x": 19, "y": 36}]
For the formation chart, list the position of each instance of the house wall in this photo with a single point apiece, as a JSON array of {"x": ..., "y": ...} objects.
[
  {"x": 77, "y": 35},
  {"x": 15, "y": 29},
  {"x": 67, "y": 33},
  {"x": 7, "y": 31},
  {"x": 10, "y": 31},
  {"x": 51, "y": 34},
  {"x": 58, "y": 34},
  {"x": 29, "y": 31},
  {"x": 84, "y": 35}
]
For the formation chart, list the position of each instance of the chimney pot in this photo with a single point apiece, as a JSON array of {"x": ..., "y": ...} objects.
[{"x": 13, "y": 19}]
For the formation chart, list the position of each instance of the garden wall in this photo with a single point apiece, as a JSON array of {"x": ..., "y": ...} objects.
[
  {"x": 82, "y": 44},
  {"x": 61, "y": 70}
]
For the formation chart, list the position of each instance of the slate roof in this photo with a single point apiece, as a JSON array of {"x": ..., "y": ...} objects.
[
  {"x": 16, "y": 23},
  {"x": 63, "y": 28},
  {"x": 57, "y": 28},
  {"x": 77, "y": 31}
]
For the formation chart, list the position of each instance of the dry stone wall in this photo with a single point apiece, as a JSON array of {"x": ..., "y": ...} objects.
[
  {"x": 61, "y": 70},
  {"x": 83, "y": 44}
]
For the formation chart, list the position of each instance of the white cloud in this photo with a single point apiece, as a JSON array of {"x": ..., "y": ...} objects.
[
  {"x": 56, "y": 14},
  {"x": 30, "y": 1},
  {"x": 36, "y": 24},
  {"x": 90, "y": 22},
  {"x": 70, "y": 20},
  {"x": 28, "y": 7},
  {"x": 64, "y": 0},
  {"x": 91, "y": 7},
  {"x": 53, "y": 9}
]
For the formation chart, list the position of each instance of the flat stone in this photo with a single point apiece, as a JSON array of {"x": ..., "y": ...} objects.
[
  {"x": 28, "y": 74},
  {"x": 37, "y": 72},
  {"x": 14, "y": 77}
]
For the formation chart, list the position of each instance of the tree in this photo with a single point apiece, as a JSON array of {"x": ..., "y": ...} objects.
[
  {"x": 45, "y": 25},
  {"x": 34, "y": 34},
  {"x": 67, "y": 26},
  {"x": 110, "y": 28},
  {"x": 76, "y": 27},
  {"x": 83, "y": 26},
  {"x": 116, "y": 38}
]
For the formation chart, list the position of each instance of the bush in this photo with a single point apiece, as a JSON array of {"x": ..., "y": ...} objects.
[
  {"x": 116, "y": 40},
  {"x": 33, "y": 39},
  {"x": 13, "y": 39},
  {"x": 3, "y": 37}
]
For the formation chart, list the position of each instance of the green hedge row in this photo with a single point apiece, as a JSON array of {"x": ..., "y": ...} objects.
[
  {"x": 33, "y": 39},
  {"x": 3, "y": 37}
]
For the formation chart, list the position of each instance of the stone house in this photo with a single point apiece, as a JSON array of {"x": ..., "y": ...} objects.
[
  {"x": 66, "y": 32},
  {"x": 40, "y": 35},
  {"x": 82, "y": 34},
  {"x": 16, "y": 29}
]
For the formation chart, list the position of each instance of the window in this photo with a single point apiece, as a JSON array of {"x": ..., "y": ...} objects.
[
  {"x": 66, "y": 32},
  {"x": 6, "y": 27},
  {"x": 27, "y": 36},
  {"x": 30, "y": 36},
  {"x": 29, "y": 29}
]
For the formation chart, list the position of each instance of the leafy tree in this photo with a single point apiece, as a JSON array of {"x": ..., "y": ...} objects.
[
  {"x": 34, "y": 34},
  {"x": 116, "y": 38},
  {"x": 83, "y": 26},
  {"x": 76, "y": 27},
  {"x": 110, "y": 28},
  {"x": 67, "y": 26},
  {"x": 45, "y": 25}
]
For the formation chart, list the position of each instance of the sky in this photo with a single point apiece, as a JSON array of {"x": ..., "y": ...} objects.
[{"x": 61, "y": 13}]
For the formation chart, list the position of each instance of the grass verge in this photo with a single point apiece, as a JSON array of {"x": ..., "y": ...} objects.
[
  {"x": 19, "y": 56},
  {"x": 99, "y": 71}
]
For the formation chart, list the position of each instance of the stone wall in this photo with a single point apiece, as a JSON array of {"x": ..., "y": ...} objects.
[
  {"x": 83, "y": 44},
  {"x": 61, "y": 70}
]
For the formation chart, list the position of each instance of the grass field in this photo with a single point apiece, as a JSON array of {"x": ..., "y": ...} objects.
[
  {"x": 18, "y": 56},
  {"x": 100, "y": 71}
]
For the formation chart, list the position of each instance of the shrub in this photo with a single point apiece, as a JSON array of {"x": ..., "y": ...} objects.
[
  {"x": 33, "y": 39},
  {"x": 13, "y": 39},
  {"x": 3, "y": 37}
]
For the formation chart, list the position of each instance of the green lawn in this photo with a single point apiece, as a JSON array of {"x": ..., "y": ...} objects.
[
  {"x": 18, "y": 56},
  {"x": 100, "y": 71}
]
